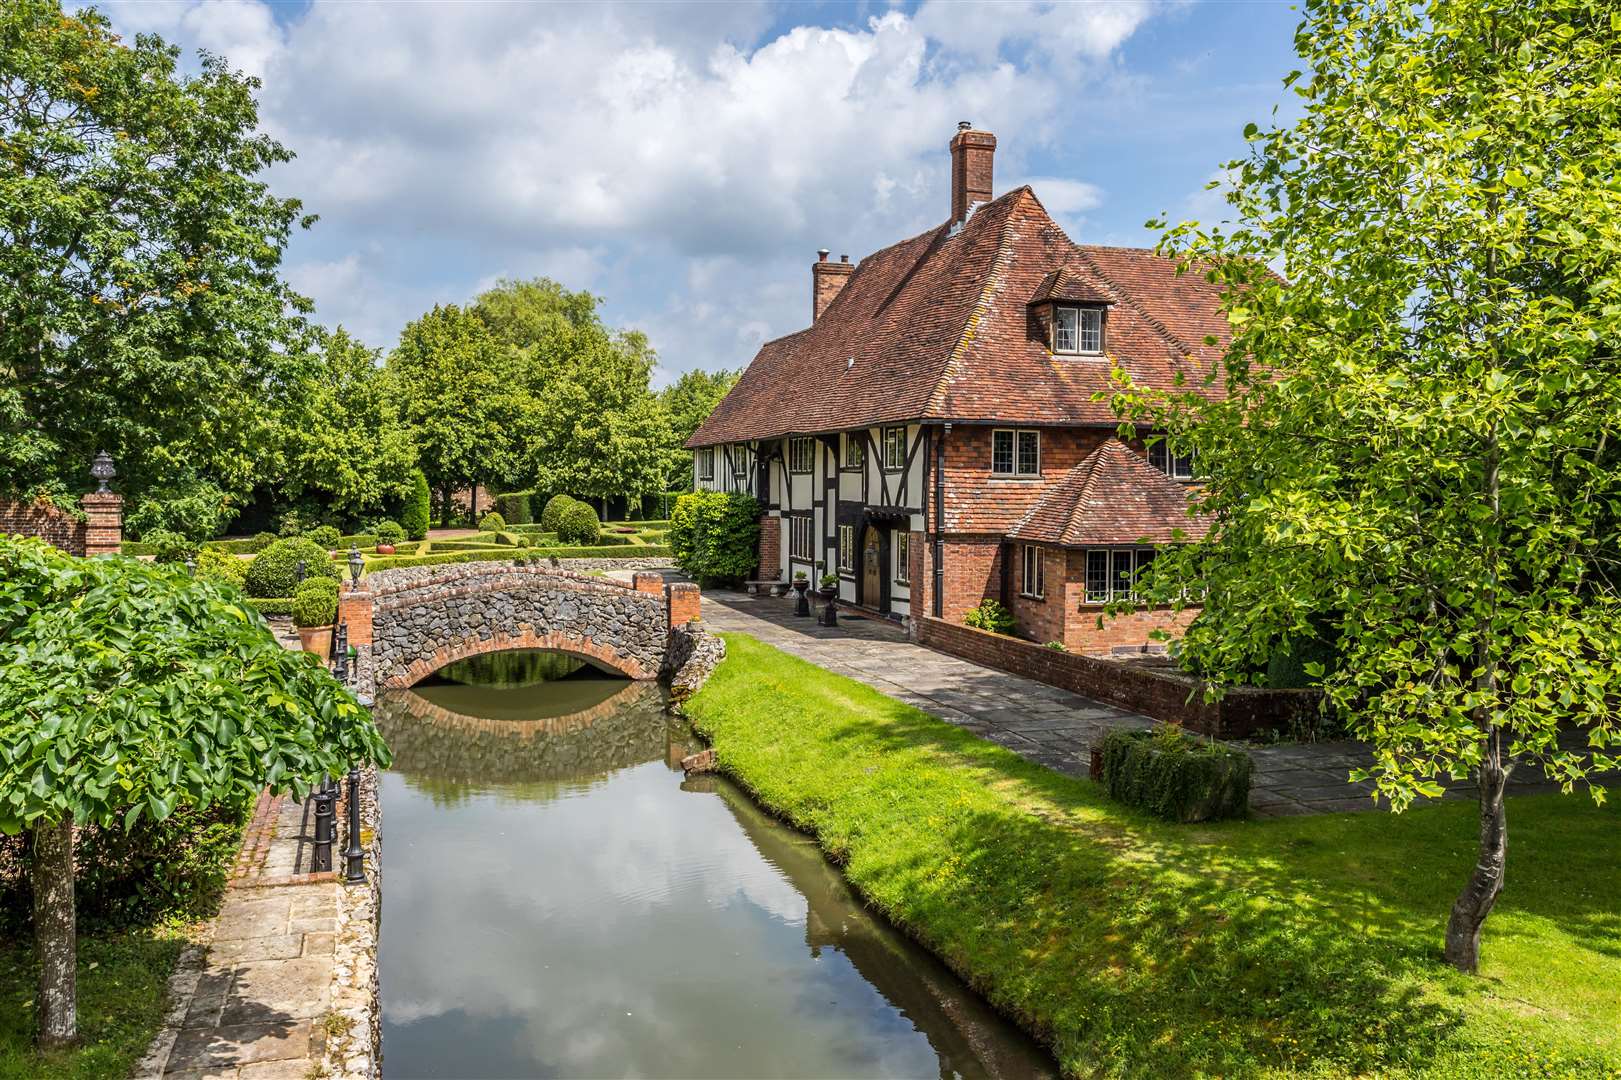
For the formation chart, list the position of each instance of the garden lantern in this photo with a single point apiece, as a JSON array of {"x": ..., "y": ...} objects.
[
  {"x": 356, "y": 564},
  {"x": 298, "y": 572},
  {"x": 191, "y": 566},
  {"x": 101, "y": 471}
]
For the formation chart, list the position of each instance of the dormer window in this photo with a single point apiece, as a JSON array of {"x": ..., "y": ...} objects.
[{"x": 1077, "y": 330}]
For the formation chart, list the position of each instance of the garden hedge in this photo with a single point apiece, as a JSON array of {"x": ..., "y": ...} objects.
[
  {"x": 327, "y": 536},
  {"x": 1176, "y": 776},
  {"x": 271, "y": 605},
  {"x": 418, "y": 507},
  {"x": 578, "y": 524},
  {"x": 392, "y": 562},
  {"x": 514, "y": 507},
  {"x": 716, "y": 535},
  {"x": 216, "y": 565}
]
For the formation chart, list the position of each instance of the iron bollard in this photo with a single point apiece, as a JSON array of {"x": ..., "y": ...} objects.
[
  {"x": 354, "y": 856},
  {"x": 340, "y": 650},
  {"x": 326, "y": 828}
]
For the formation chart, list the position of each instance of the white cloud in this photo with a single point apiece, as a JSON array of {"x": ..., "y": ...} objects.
[{"x": 677, "y": 160}]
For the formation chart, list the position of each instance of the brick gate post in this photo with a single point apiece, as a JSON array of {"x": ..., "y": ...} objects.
[{"x": 103, "y": 522}]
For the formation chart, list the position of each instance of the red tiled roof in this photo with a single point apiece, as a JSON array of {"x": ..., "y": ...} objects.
[
  {"x": 938, "y": 327},
  {"x": 1069, "y": 283},
  {"x": 1112, "y": 497}
]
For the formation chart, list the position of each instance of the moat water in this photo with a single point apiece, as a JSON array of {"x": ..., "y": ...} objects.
[{"x": 560, "y": 902}]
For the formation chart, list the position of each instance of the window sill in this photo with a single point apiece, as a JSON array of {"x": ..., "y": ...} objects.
[
  {"x": 1020, "y": 478},
  {"x": 1076, "y": 355},
  {"x": 1033, "y": 596}
]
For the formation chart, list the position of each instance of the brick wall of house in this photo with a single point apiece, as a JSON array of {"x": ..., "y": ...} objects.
[
  {"x": 770, "y": 568},
  {"x": 1062, "y": 613},
  {"x": 978, "y": 503},
  {"x": 1241, "y": 712},
  {"x": 973, "y": 572},
  {"x": 44, "y": 520}
]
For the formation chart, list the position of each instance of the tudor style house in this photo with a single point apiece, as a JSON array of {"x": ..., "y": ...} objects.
[{"x": 941, "y": 434}]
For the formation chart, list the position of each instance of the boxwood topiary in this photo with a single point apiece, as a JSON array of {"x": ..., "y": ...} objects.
[
  {"x": 389, "y": 532},
  {"x": 514, "y": 507},
  {"x": 578, "y": 525},
  {"x": 216, "y": 565},
  {"x": 327, "y": 536},
  {"x": 716, "y": 535},
  {"x": 415, "y": 515},
  {"x": 491, "y": 522},
  {"x": 989, "y": 615},
  {"x": 315, "y": 602},
  {"x": 553, "y": 512},
  {"x": 1176, "y": 776},
  {"x": 271, "y": 571}
]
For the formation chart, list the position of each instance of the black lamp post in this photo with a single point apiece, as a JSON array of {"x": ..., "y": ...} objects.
[
  {"x": 298, "y": 572},
  {"x": 354, "y": 857},
  {"x": 101, "y": 471},
  {"x": 356, "y": 565}
]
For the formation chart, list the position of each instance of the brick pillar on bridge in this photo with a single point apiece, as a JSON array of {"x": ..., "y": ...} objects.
[
  {"x": 681, "y": 603},
  {"x": 648, "y": 582},
  {"x": 103, "y": 522},
  {"x": 354, "y": 610}
]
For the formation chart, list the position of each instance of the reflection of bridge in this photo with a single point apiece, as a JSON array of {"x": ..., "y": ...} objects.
[{"x": 407, "y": 624}]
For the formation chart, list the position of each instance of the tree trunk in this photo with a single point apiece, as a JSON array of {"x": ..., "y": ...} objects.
[
  {"x": 54, "y": 934},
  {"x": 474, "y": 512},
  {"x": 444, "y": 508},
  {"x": 1469, "y": 911}
]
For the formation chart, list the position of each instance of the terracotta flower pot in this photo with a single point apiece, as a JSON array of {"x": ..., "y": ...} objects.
[
  {"x": 316, "y": 639},
  {"x": 385, "y": 549}
]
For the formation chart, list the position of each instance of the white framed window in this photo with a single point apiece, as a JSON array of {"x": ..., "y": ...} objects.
[
  {"x": 903, "y": 558},
  {"x": 894, "y": 449},
  {"x": 1077, "y": 330},
  {"x": 706, "y": 463},
  {"x": 1015, "y": 452},
  {"x": 1176, "y": 466},
  {"x": 801, "y": 537},
  {"x": 801, "y": 455},
  {"x": 847, "y": 548},
  {"x": 855, "y": 449},
  {"x": 1112, "y": 573},
  {"x": 1030, "y": 584}
]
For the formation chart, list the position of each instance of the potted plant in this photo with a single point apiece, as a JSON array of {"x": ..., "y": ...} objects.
[
  {"x": 829, "y": 586},
  {"x": 389, "y": 533},
  {"x": 315, "y": 609},
  {"x": 801, "y": 584}
]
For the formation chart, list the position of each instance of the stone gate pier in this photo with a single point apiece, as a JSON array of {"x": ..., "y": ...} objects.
[{"x": 406, "y": 624}]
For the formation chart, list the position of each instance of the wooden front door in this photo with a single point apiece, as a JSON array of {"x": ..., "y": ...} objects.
[{"x": 872, "y": 568}]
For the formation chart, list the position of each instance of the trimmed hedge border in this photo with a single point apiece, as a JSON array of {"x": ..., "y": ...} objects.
[
  {"x": 1176, "y": 776},
  {"x": 275, "y": 605},
  {"x": 394, "y": 562}
]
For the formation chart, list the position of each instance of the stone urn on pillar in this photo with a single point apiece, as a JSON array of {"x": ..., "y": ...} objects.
[{"x": 801, "y": 589}]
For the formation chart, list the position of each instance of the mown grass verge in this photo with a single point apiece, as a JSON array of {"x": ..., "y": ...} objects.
[{"x": 1298, "y": 947}]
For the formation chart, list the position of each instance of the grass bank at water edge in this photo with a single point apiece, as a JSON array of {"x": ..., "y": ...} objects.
[{"x": 1295, "y": 947}]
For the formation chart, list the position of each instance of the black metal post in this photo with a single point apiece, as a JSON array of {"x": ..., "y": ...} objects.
[
  {"x": 354, "y": 856},
  {"x": 326, "y": 827},
  {"x": 298, "y": 572},
  {"x": 340, "y": 650}
]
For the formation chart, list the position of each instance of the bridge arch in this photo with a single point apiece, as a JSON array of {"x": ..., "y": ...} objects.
[{"x": 411, "y": 628}]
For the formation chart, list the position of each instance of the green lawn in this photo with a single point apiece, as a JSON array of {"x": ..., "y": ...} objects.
[
  {"x": 1301, "y": 946},
  {"x": 123, "y": 979}
]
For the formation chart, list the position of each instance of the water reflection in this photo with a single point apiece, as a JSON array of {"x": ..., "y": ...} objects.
[{"x": 561, "y": 903}]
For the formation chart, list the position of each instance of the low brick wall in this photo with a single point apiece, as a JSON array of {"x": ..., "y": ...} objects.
[
  {"x": 42, "y": 519},
  {"x": 1240, "y": 712}
]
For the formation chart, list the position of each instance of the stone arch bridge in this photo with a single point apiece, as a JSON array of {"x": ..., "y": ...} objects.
[{"x": 405, "y": 625}]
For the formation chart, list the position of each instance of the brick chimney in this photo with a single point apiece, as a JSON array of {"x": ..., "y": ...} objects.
[
  {"x": 971, "y": 154},
  {"x": 827, "y": 278}
]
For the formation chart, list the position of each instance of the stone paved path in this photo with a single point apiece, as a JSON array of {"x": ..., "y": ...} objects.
[{"x": 1043, "y": 723}]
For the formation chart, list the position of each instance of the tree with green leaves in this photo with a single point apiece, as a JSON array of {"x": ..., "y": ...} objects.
[
  {"x": 1409, "y": 446},
  {"x": 459, "y": 398},
  {"x": 343, "y": 441},
  {"x": 141, "y": 307},
  {"x": 591, "y": 424},
  {"x": 689, "y": 401},
  {"x": 131, "y": 689}
]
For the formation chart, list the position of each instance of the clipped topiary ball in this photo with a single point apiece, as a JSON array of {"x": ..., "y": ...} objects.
[
  {"x": 216, "y": 565},
  {"x": 271, "y": 571},
  {"x": 552, "y": 515},
  {"x": 578, "y": 525},
  {"x": 390, "y": 532},
  {"x": 492, "y": 522},
  {"x": 315, "y": 602},
  {"x": 327, "y": 536}
]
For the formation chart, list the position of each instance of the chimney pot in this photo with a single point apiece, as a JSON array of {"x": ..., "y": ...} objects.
[
  {"x": 972, "y": 153},
  {"x": 822, "y": 254},
  {"x": 844, "y": 258},
  {"x": 963, "y": 125}
]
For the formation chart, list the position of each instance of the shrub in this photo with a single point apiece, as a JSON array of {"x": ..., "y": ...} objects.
[
  {"x": 1057, "y": 646},
  {"x": 295, "y": 523},
  {"x": 169, "y": 547},
  {"x": 552, "y": 513},
  {"x": 515, "y": 508},
  {"x": 716, "y": 535},
  {"x": 390, "y": 532},
  {"x": 418, "y": 509},
  {"x": 492, "y": 522},
  {"x": 315, "y": 602},
  {"x": 1176, "y": 776},
  {"x": 578, "y": 525},
  {"x": 271, "y": 571},
  {"x": 990, "y": 615},
  {"x": 262, "y": 540},
  {"x": 216, "y": 565},
  {"x": 196, "y": 511},
  {"x": 327, "y": 536}
]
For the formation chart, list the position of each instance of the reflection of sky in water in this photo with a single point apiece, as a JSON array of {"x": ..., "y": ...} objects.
[{"x": 622, "y": 927}]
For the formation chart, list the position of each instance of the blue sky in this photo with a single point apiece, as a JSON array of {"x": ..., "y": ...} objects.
[{"x": 685, "y": 161}]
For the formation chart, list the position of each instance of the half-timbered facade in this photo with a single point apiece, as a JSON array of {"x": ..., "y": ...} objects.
[{"x": 941, "y": 433}]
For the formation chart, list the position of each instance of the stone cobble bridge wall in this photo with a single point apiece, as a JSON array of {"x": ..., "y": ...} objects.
[{"x": 408, "y": 627}]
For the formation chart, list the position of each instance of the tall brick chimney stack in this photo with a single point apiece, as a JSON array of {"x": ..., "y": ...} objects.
[
  {"x": 971, "y": 154},
  {"x": 827, "y": 278}
]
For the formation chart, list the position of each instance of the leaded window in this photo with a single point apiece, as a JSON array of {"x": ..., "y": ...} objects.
[
  {"x": 1015, "y": 453},
  {"x": 801, "y": 537},
  {"x": 894, "y": 449},
  {"x": 1031, "y": 584},
  {"x": 903, "y": 558},
  {"x": 1077, "y": 330},
  {"x": 801, "y": 455}
]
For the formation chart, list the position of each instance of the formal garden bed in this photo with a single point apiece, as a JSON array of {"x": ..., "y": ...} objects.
[{"x": 1302, "y": 946}]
